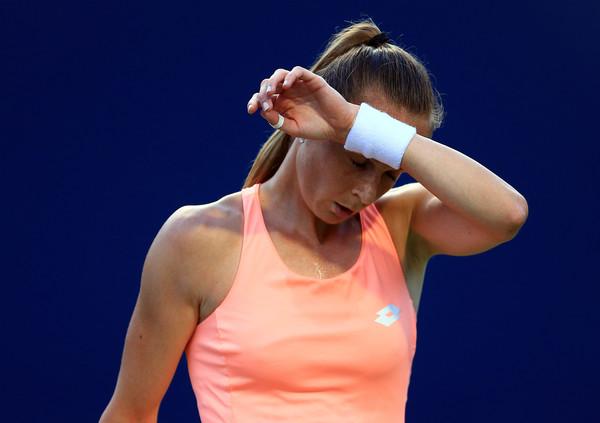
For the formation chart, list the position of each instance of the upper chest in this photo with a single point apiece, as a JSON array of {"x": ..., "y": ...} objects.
[{"x": 315, "y": 259}]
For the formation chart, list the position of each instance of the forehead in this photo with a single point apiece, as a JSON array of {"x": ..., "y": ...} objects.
[{"x": 421, "y": 122}]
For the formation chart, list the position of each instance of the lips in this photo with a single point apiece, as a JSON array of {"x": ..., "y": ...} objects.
[{"x": 343, "y": 212}]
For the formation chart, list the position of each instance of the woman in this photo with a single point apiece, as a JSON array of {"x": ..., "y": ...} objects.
[{"x": 296, "y": 298}]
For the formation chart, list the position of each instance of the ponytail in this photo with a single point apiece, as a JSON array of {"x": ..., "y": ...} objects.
[
  {"x": 269, "y": 158},
  {"x": 344, "y": 41}
]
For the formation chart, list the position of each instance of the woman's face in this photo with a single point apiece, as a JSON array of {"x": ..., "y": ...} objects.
[{"x": 336, "y": 183}]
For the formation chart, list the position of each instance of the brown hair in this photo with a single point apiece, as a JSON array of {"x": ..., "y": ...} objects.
[{"x": 353, "y": 65}]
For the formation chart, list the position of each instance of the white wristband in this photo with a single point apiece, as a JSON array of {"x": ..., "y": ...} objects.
[{"x": 377, "y": 135}]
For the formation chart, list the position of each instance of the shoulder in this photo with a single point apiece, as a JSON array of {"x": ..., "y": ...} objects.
[
  {"x": 404, "y": 196},
  {"x": 398, "y": 204},
  {"x": 397, "y": 208},
  {"x": 197, "y": 247},
  {"x": 208, "y": 222}
]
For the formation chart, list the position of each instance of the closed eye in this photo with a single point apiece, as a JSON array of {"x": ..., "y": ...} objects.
[
  {"x": 392, "y": 175},
  {"x": 359, "y": 164}
]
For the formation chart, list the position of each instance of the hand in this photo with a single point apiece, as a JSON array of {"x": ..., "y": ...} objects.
[{"x": 311, "y": 108}]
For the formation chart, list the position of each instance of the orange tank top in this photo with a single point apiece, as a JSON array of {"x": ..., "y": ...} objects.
[{"x": 282, "y": 347}]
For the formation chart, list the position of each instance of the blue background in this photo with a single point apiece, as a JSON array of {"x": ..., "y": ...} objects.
[{"x": 114, "y": 114}]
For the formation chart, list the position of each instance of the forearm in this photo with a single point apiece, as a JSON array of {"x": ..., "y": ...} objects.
[{"x": 465, "y": 186}]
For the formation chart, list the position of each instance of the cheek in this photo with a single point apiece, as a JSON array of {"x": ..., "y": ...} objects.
[
  {"x": 312, "y": 176},
  {"x": 315, "y": 164},
  {"x": 306, "y": 167}
]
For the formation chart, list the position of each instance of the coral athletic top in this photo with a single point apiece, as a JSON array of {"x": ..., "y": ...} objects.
[{"x": 283, "y": 347}]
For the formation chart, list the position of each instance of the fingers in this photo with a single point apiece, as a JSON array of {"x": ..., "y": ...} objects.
[
  {"x": 263, "y": 98},
  {"x": 270, "y": 87},
  {"x": 253, "y": 104},
  {"x": 278, "y": 82},
  {"x": 274, "y": 84},
  {"x": 298, "y": 74}
]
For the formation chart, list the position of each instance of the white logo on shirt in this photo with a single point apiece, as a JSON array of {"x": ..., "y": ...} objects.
[{"x": 388, "y": 315}]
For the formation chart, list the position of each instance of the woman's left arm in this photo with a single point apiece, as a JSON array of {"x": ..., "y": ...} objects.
[{"x": 461, "y": 208}]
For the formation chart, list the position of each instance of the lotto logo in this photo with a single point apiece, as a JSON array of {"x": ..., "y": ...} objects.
[{"x": 388, "y": 315}]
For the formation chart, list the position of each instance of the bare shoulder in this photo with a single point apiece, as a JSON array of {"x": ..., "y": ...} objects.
[
  {"x": 198, "y": 249},
  {"x": 398, "y": 205},
  {"x": 205, "y": 234},
  {"x": 207, "y": 223},
  {"x": 404, "y": 196}
]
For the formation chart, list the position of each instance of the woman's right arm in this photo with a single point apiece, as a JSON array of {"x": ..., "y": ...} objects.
[{"x": 163, "y": 320}]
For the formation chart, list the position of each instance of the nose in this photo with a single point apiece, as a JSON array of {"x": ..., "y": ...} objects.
[{"x": 366, "y": 191}]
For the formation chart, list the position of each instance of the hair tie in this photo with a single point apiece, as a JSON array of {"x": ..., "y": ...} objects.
[{"x": 378, "y": 40}]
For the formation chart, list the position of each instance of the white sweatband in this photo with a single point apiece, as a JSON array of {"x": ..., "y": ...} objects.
[{"x": 377, "y": 135}]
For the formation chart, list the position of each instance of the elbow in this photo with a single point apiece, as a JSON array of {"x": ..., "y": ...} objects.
[{"x": 515, "y": 216}]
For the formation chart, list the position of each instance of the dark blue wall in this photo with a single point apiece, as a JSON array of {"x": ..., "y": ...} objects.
[{"x": 114, "y": 114}]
